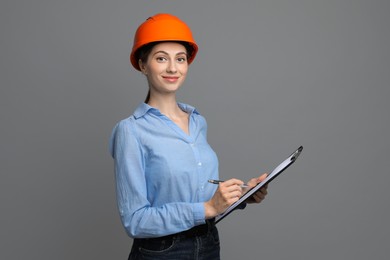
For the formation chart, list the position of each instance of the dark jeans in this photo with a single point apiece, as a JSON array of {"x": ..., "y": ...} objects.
[{"x": 177, "y": 247}]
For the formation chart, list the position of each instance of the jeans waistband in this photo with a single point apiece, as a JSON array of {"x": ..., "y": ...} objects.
[{"x": 199, "y": 230}]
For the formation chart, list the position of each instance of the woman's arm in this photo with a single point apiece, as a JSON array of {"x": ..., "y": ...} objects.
[{"x": 138, "y": 216}]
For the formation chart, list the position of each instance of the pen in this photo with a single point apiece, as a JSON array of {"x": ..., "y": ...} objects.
[{"x": 219, "y": 181}]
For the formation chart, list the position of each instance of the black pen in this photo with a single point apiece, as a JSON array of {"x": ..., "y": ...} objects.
[{"x": 219, "y": 181}]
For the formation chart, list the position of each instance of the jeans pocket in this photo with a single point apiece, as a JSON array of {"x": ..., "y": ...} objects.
[
  {"x": 215, "y": 235},
  {"x": 156, "y": 246}
]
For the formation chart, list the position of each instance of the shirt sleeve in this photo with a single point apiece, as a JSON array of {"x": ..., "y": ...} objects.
[{"x": 138, "y": 217}]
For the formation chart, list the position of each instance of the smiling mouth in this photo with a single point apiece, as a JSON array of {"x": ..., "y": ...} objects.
[{"x": 171, "y": 79}]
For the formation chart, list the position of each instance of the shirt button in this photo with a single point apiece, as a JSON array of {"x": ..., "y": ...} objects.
[{"x": 199, "y": 164}]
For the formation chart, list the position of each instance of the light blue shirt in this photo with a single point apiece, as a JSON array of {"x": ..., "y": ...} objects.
[{"x": 161, "y": 172}]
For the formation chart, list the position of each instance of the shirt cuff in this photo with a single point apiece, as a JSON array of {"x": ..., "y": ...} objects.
[{"x": 199, "y": 213}]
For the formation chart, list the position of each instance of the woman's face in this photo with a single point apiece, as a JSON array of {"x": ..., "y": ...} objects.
[{"x": 166, "y": 67}]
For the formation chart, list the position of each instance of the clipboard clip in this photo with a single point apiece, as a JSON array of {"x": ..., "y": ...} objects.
[{"x": 295, "y": 155}]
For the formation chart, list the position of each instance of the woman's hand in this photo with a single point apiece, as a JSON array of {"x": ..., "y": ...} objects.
[
  {"x": 227, "y": 193},
  {"x": 259, "y": 195}
]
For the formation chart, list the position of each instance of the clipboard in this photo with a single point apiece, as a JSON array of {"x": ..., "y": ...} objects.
[{"x": 278, "y": 170}]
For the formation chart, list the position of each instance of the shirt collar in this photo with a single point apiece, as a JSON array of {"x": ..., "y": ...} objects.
[{"x": 144, "y": 108}]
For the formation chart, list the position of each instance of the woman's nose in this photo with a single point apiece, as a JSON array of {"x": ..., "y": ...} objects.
[{"x": 171, "y": 68}]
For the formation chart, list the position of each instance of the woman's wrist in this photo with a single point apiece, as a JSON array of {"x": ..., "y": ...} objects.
[{"x": 209, "y": 210}]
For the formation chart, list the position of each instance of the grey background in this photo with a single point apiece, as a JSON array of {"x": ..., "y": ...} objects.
[{"x": 270, "y": 76}]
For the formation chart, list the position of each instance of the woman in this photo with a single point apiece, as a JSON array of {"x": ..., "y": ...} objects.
[{"x": 162, "y": 159}]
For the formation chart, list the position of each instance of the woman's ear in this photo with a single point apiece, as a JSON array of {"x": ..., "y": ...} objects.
[{"x": 142, "y": 66}]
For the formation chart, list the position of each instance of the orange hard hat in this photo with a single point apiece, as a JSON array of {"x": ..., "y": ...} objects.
[{"x": 162, "y": 27}]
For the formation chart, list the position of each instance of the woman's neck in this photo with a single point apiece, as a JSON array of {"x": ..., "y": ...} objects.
[{"x": 167, "y": 106}]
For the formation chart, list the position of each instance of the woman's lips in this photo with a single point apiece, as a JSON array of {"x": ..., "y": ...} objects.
[{"x": 171, "y": 79}]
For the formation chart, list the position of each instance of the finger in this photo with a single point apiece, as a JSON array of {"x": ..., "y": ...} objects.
[
  {"x": 227, "y": 195},
  {"x": 235, "y": 194},
  {"x": 262, "y": 177},
  {"x": 234, "y": 199},
  {"x": 264, "y": 191},
  {"x": 257, "y": 198},
  {"x": 260, "y": 195},
  {"x": 232, "y": 182},
  {"x": 253, "y": 182},
  {"x": 231, "y": 188}
]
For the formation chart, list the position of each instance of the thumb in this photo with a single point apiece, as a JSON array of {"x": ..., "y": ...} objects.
[{"x": 262, "y": 177}]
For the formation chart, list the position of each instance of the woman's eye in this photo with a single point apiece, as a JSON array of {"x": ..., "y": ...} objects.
[
  {"x": 161, "y": 59},
  {"x": 181, "y": 59}
]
